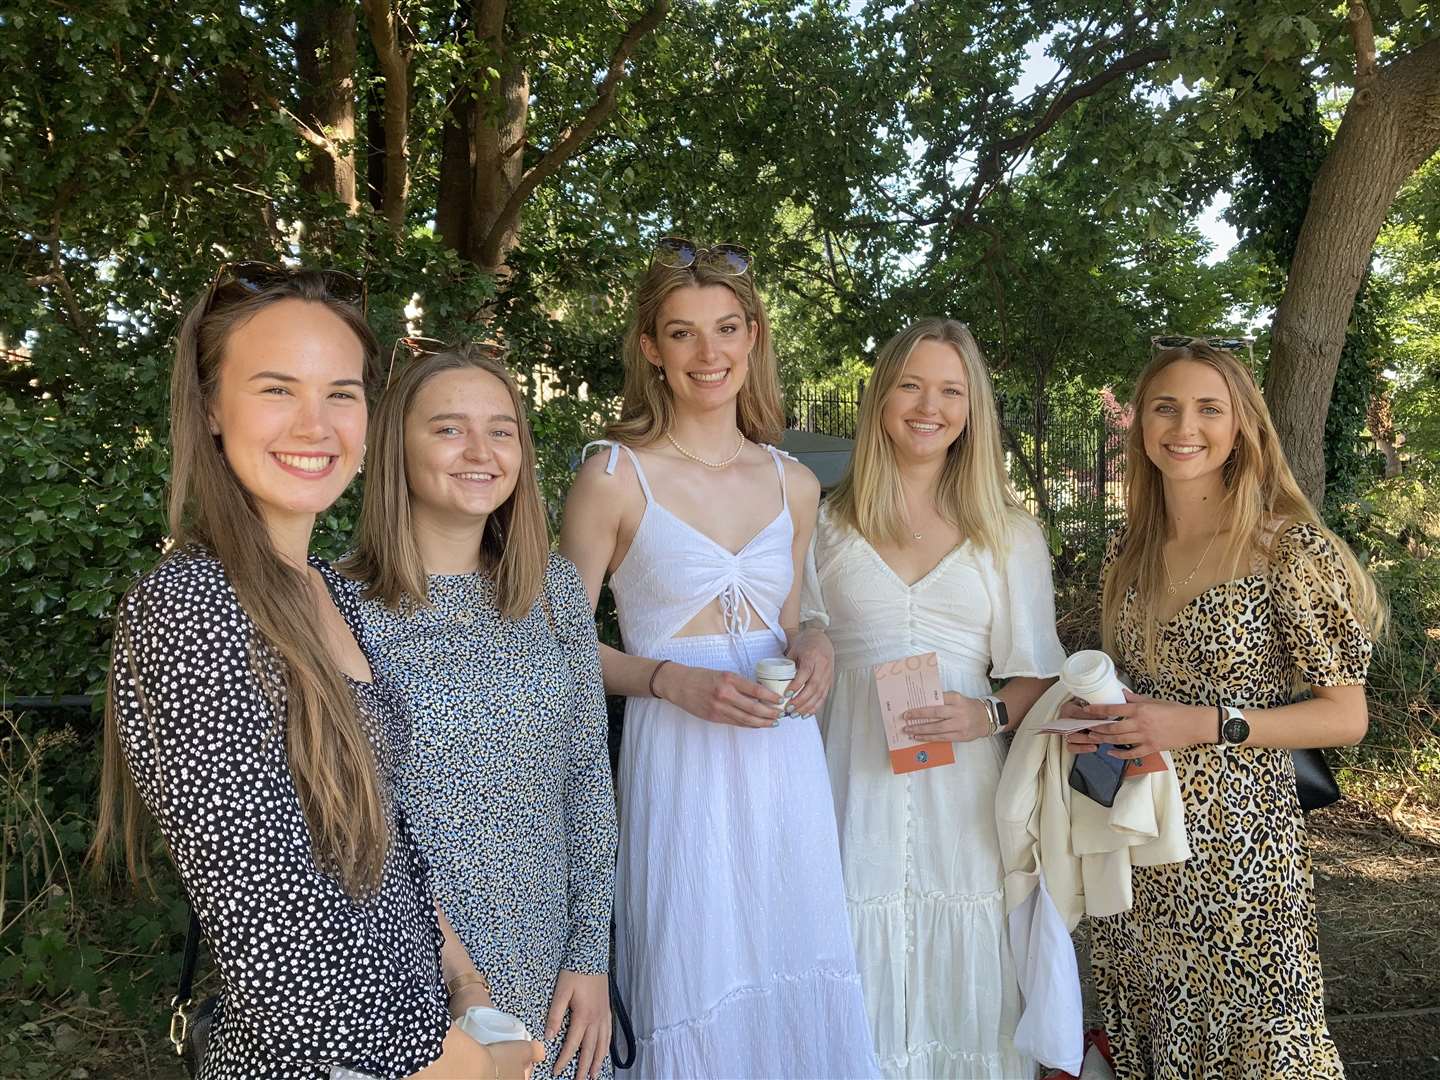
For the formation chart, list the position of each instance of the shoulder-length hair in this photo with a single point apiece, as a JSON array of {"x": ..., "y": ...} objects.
[
  {"x": 515, "y": 546},
  {"x": 331, "y": 759},
  {"x": 646, "y": 409},
  {"x": 1262, "y": 500},
  {"x": 973, "y": 492}
]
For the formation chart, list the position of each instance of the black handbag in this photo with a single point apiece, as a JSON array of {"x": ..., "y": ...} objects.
[
  {"x": 1314, "y": 782},
  {"x": 190, "y": 1030}
]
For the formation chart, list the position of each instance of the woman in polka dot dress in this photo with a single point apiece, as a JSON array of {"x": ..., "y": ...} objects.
[
  {"x": 490, "y": 642},
  {"x": 243, "y": 715}
]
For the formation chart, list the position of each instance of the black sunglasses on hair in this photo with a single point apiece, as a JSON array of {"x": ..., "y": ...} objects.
[
  {"x": 677, "y": 253},
  {"x": 256, "y": 277},
  {"x": 1176, "y": 341},
  {"x": 429, "y": 346}
]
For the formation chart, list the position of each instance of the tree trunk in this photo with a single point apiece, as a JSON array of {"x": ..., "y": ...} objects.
[
  {"x": 484, "y": 182},
  {"x": 1390, "y": 128},
  {"x": 499, "y": 165},
  {"x": 325, "y": 55},
  {"x": 395, "y": 69}
]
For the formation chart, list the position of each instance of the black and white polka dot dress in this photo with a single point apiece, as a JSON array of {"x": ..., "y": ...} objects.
[{"x": 310, "y": 978}]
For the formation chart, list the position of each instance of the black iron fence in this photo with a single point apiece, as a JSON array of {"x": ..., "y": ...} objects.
[{"x": 1064, "y": 456}]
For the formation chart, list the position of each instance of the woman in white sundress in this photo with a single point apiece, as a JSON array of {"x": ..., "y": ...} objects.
[
  {"x": 732, "y": 943},
  {"x": 923, "y": 547}
]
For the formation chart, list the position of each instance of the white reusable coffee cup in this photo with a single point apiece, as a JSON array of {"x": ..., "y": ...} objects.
[
  {"x": 776, "y": 673},
  {"x": 1090, "y": 676},
  {"x": 487, "y": 1026}
]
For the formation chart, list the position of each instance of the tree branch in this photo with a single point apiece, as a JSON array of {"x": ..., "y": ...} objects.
[
  {"x": 573, "y": 138},
  {"x": 1362, "y": 32},
  {"x": 1019, "y": 144}
]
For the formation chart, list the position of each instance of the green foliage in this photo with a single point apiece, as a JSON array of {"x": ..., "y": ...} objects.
[
  {"x": 108, "y": 957},
  {"x": 1395, "y": 526}
]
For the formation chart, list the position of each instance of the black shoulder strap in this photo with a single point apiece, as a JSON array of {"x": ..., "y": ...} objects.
[{"x": 188, "y": 960}]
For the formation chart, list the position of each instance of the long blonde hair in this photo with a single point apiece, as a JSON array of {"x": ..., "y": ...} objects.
[
  {"x": 646, "y": 409},
  {"x": 973, "y": 492},
  {"x": 1261, "y": 501},
  {"x": 331, "y": 758},
  {"x": 515, "y": 546}
]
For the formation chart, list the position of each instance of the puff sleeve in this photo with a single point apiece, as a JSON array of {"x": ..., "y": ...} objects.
[
  {"x": 1023, "y": 641},
  {"x": 1313, "y": 613}
]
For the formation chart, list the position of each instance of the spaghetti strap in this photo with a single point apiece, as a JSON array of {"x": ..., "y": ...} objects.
[
  {"x": 779, "y": 457},
  {"x": 615, "y": 448}
]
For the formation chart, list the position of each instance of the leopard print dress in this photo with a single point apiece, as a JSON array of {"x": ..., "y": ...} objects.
[{"x": 1214, "y": 973}]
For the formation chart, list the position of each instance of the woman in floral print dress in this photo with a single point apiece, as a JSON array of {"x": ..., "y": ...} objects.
[
  {"x": 489, "y": 641},
  {"x": 1223, "y": 593}
]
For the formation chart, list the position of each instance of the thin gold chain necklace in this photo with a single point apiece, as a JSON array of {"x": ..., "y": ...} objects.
[
  {"x": 1174, "y": 585},
  {"x": 710, "y": 464}
]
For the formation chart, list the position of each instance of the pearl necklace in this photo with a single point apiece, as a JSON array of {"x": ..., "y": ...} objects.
[{"x": 710, "y": 464}]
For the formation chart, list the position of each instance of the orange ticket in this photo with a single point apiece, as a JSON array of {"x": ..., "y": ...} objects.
[{"x": 910, "y": 683}]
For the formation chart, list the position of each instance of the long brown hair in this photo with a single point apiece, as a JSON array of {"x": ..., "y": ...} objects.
[
  {"x": 515, "y": 546},
  {"x": 1261, "y": 501},
  {"x": 647, "y": 409},
  {"x": 331, "y": 758},
  {"x": 973, "y": 491}
]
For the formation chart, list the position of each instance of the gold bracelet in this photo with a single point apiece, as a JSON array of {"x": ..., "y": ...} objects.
[{"x": 468, "y": 978}]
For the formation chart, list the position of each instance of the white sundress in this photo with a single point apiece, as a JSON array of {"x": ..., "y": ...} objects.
[
  {"x": 733, "y": 946},
  {"x": 921, "y": 856}
]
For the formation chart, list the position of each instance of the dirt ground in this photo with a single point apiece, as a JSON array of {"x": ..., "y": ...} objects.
[
  {"x": 1377, "y": 885},
  {"x": 1377, "y": 882}
]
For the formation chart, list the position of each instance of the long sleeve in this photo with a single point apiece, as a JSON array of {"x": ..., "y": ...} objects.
[
  {"x": 589, "y": 792},
  {"x": 307, "y": 975}
]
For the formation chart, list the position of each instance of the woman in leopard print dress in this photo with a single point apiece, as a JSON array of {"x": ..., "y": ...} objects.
[{"x": 1221, "y": 595}]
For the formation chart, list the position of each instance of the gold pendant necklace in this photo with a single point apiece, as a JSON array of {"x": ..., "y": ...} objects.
[
  {"x": 1174, "y": 585},
  {"x": 710, "y": 464}
]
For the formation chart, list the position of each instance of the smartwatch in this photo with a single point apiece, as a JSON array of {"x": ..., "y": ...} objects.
[
  {"x": 998, "y": 714},
  {"x": 1234, "y": 729}
]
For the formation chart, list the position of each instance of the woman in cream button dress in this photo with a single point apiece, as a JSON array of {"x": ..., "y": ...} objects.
[{"x": 923, "y": 547}]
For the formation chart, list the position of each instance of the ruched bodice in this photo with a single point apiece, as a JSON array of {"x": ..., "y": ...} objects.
[{"x": 673, "y": 571}]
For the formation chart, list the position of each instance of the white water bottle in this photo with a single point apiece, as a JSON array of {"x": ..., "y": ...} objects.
[{"x": 1090, "y": 676}]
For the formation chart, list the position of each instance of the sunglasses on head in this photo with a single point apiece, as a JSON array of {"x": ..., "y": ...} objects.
[
  {"x": 429, "y": 346},
  {"x": 255, "y": 277},
  {"x": 677, "y": 253},
  {"x": 1176, "y": 341}
]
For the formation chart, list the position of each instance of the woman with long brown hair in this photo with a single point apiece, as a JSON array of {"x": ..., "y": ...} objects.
[
  {"x": 731, "y": 937},
  {"x": 243, "y": 716},
  {"x": 924, "y": 547},
  {"x": 1222, "y": 594},
  {"x": 489, "y": 640}
]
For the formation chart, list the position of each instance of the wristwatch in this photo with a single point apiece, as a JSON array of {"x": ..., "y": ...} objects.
[
  {"x": 998, "y": 714},
  {"x": 1234, "y": 729}
]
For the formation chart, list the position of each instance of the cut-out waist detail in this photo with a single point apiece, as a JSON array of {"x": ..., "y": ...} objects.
[{"x": 672, "y": 573}]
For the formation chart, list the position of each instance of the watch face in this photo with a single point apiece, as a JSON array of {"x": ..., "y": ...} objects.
[{"x": 1236, "y": 730}]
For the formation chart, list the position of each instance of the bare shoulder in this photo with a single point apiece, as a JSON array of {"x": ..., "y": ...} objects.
[{"x": 596, "y": 479}]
